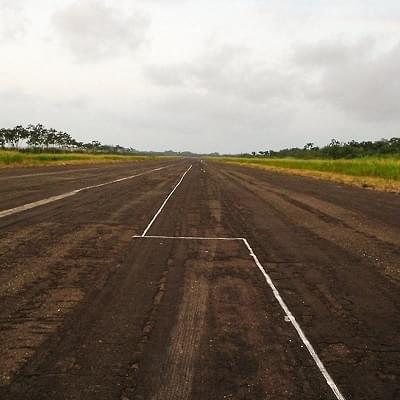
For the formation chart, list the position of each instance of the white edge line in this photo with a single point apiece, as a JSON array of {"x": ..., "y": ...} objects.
[
  {"x": 28, "y": 206},
  {"x": 66, "y": 171},
  {"x": 165, "y": 202},
  {"x": 51, "y": 199},
  {"x": 117, "y": 180},
  {"x": 292, "y": 319}
]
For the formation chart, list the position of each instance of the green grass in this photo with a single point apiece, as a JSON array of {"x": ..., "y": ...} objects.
[
  {"x": 15, "y": 158},
  {"x": 385, "y": 168}
]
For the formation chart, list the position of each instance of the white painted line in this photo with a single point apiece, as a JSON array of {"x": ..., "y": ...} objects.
[
  {"x": 165, "y": 202},
  {"x": 51, "y": 199},
  {"x": 28, "y": 206},
  {"x": 292, "y": 319},
  {"x": 289, "y": 317},
  {"x": 187, "y": 237},
  {"x": 118, "y": 180},
  {"x": 63, "y": 172}
]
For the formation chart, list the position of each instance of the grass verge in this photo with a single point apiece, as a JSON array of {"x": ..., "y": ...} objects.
[
  {"x": 9, "y": 159},
  {"x": 374, "y": 173}
]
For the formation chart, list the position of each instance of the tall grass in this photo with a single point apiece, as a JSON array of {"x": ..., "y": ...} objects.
[
  {"x": 386, "y": 168},
  {"x": 10, "y": 158}
]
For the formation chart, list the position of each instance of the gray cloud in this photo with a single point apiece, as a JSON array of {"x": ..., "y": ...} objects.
[
  {"x": 220, "y": 99},
  {"x": 329, "y": 89},
  {"x": 93, "y": 30},
  {"x": 333, "y": 52},
  {"x": 357, "y": 79},
  {"x": 223, "y": 70}
]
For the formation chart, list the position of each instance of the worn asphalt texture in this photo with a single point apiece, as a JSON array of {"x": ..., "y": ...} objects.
[{"x": 87, "y": 311}]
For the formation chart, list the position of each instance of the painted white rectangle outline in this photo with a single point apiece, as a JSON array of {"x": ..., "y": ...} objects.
[{"x": 329, "y": 380}]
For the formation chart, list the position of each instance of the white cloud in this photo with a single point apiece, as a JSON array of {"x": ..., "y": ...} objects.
[
  {"x": 13, "y": 21},
  {"x": 93, "y": 30}
]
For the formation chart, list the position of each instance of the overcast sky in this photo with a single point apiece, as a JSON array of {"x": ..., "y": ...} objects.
[{"x": 203, "y": 75}]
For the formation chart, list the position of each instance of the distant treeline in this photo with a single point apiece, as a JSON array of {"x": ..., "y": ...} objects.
[
  {"x": 336, "y": 149},
  {"x": 38, "y": 138}
]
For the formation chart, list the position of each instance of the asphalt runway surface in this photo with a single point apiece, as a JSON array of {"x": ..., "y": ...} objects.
[{"x": 247, "y": 285}]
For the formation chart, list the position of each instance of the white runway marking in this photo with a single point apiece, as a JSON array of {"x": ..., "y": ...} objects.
[
  {"x": 300, "y": 332},
  {"x": 288, "y": 314},
  {"x": 51, "y": 199},
  {"x": 186, "y": 237},
  {"x": 165, "y": 202},
  {"x": 28, "y": 206},
  {"x": 66, "y": 171},
  {"x": 118, "y": 180}
]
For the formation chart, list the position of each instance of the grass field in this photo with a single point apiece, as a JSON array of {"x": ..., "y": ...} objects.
[
  {"x": 379, "y": 173},
  {"x": 15, "y": 158}
]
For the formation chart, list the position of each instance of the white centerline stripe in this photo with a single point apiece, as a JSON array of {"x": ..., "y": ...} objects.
[
  {"x": 51, "y": 199},
  {"x": 292, "y": 319},
  {"x": 165, "y": 202}
]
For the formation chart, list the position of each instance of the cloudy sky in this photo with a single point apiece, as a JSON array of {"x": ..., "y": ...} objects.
[{"x": 202, "y": 75}]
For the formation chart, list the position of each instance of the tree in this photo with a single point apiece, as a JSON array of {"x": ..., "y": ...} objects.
[
  {"x": 309, "y": 146},
  {"x": 10, "y": 137},
  {"x": 50, "y": 138},
  {"x": 37, "y": 135},
  {"x": 2, "y": 138},
  {"x": 21, "y": 133},
  {"x": 95, "y": 145}
]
